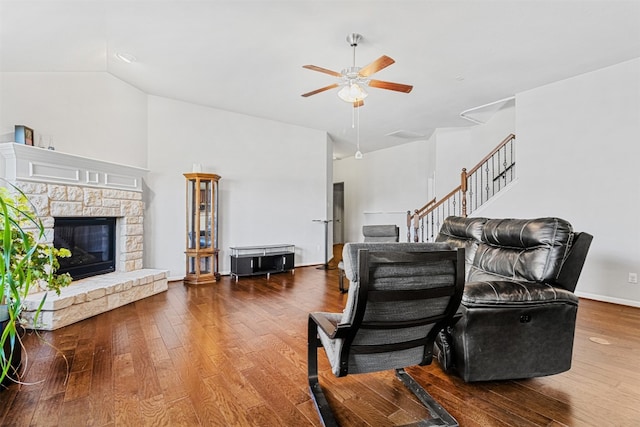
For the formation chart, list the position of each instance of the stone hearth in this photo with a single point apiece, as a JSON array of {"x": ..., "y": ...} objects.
[
  {"x": 64, "y": 185},
  {"x": 94, "y": 295}
]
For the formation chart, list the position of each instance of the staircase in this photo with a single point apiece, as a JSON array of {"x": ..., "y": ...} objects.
[{"x": 493, "y": 173}]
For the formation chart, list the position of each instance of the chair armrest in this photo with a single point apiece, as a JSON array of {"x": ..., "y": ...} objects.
[
  {"x": 572, "y": 267},
  {"x": 329, "y": 326}
]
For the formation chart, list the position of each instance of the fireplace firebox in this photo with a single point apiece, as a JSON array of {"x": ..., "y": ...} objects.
[{"x": 92, "y": 242}]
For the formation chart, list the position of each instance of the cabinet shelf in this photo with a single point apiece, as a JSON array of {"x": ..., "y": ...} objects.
[{"x": 256, "y": 260}]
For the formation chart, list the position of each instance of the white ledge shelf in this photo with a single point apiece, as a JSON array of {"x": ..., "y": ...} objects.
[{"x": 27, "y": 163}]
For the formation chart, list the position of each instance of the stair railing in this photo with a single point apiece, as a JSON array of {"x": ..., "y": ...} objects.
[
  {"x": 477, "y": 186},
  {"x": 415, "y": 220}
]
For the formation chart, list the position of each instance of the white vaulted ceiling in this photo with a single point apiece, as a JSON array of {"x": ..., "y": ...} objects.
[{"x": 247, "y": 56}]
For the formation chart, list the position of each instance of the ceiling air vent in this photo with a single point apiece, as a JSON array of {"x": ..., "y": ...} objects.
[{"x": 405, "y": 134}]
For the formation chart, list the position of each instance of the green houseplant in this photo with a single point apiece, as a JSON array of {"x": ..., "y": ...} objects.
[{"x": 27, "y": 262}]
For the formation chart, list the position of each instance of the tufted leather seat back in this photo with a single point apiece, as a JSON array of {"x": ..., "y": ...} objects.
[
  {"x": 530, "y": 250},
  {"x": 460, "y": 232}
]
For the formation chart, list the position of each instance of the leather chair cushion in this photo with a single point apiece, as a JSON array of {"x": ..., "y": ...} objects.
[
  {"x": 460, "y": 228},
  {"x": 522, "y": 250},
  {"x": 508, "y": 293}
]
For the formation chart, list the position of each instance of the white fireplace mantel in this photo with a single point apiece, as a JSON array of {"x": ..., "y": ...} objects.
[{"x": 27, "y": 163}]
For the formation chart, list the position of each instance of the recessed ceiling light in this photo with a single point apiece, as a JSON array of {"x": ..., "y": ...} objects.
[{"x": 125, "y": 57}]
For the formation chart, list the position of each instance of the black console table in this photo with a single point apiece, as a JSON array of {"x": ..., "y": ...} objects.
[{"x": 267, "y": 259}]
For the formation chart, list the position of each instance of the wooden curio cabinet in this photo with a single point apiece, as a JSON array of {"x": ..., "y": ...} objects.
[{"x": 202, "y": 228}]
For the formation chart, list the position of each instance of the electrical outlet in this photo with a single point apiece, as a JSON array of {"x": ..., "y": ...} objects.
[{"x": 633, "y": 277}]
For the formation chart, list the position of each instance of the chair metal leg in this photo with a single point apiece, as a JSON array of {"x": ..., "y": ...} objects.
[
  {"x": 322, "y": 406},
  {"x": 439, "y": 415},
  {"x": 319, "y": 399}
]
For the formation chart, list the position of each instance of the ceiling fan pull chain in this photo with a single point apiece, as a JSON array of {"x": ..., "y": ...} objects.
[
  {"x": 358, "y": 128},
  {"x": 358, "y": 154},
  {"x": 353, "y": 118}
]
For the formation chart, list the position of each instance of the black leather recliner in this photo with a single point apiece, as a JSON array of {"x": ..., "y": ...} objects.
[{"x": 518, "y": 311}]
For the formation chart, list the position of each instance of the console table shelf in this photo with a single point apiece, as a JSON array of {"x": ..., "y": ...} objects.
[{"x": 267, "y": 259}]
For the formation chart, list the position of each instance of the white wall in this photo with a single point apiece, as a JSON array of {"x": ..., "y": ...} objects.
[
  {"x": 577, "y": 151},
  {"x": 383, "y": 185},
  {"x": 275, "y": 177},
  {"x": 274, "y": 181},
  {"x": 89, "y": 114},
  {"x": 459, "y": 148},
  {"x": 578, "y": 147},
  {"x": 380, "y": 188}
]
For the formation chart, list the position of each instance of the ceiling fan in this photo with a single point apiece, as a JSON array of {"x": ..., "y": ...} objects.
[{"x": 354, "y": 79}]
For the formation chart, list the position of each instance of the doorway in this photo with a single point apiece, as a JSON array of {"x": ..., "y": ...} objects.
[{"x": 338, "y": 212}]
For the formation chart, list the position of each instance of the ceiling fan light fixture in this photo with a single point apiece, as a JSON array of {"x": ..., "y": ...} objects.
[{"x": 352, "y": 92}]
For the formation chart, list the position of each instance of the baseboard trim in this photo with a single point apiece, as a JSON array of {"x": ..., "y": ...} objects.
[{"x": 613, "y": 300}]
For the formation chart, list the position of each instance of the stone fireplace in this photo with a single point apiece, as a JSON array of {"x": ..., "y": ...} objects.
[{"x": 67, "y": 186}]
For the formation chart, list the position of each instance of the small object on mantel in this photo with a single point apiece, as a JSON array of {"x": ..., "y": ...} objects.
[{"x": 23, "y": 135}]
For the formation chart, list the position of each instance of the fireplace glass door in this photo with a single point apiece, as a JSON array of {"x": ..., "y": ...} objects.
[{"x": 91, "y": 242}]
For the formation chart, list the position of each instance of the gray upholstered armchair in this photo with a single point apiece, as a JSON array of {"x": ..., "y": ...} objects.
[
  {"x": 518, "y": 311},
  {"x": 372, "y": 233},
  {"x": 401, "y": 295}
]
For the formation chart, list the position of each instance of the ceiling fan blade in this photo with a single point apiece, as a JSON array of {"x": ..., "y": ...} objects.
[
  {"x": 358, "y": 104},
  {"x": 322, "y": 89},
  {"x": 322, "y": 70},
  {"x": 399, "y": 87},
  {"x": 383, "y": 62}
]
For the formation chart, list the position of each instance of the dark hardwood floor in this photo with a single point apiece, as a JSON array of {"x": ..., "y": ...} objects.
[{"x": 234, "y": 354}]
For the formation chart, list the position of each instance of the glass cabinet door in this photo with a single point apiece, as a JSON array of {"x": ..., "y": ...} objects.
[{"x": 200, "y": 213}]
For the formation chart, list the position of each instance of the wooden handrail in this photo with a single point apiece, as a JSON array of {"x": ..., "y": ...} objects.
[
  {"x": 444, "y": 199},
  {"x": 429, "y": 203},
  {"x": 494, "y": 151},
  {"x": 413, "y": 220}
]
